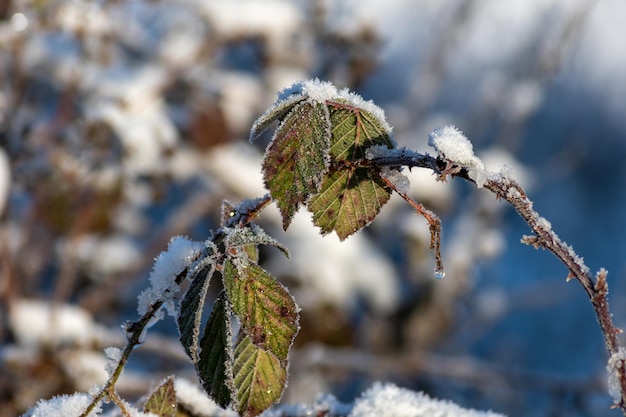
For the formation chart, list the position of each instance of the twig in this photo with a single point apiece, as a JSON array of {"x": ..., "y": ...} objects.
[
  {"x": 544, "y": 237},
  {"x": 434, "y": 225}
]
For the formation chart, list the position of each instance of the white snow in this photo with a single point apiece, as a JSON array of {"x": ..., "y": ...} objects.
[
  {"x": 451, "y": 144},
  {"x": 323, "y": 91},
  {"x": 19, "y": 22},
  {"x": 319, "y": 91},
  {"x": 196, "y": 400},
  {"x": 113, "y": 355},
  {"x": 180, "y": 253},
  {"x": 37, "y": 323},
  {"x": 277, "y": 21},
  {"x": 616, "y": 361},
  {"x": 390, "y": 400},
  {"x": 63, "y": 406},
  {"x": 104, "y": 256}
]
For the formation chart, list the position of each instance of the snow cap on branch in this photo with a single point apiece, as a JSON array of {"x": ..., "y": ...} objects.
[
  {"x": 452, "y": 145},
  {"x": 180, "y": 253}
]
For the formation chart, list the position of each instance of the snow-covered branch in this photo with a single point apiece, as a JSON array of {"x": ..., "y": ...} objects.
[{"x": 456, "y": 158}]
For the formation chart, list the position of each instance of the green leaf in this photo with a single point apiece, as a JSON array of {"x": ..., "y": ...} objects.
[
  {"x": 162, "y": 401},
  {"x": 297, "y": 157},
  {"x": 276, "y": 112},
  {"x": 252, "y": 235},
  {"x": 349, "y": 200},
  {"x": 191, "y": 307},
  {"x": 259, "y": 377},
  {"x": 353, "y": 131},
  {"x": 268, "y": 313},
  {"x": 215, "y": 362}
]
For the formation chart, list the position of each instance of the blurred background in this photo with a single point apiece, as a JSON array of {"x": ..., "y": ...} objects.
[{"x": 124, "y": 123}]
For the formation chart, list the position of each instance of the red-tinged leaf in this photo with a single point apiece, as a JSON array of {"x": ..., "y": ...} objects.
[
  {"x": 353, "y": 131},
  {"x": 267, "y": 312},
  {"x": 297, "y": 157},
  {"x": 350, "y": 198},
  {"x": 348, "y": 201}
]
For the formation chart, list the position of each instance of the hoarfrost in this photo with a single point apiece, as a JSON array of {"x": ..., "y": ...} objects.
[
  {"x": 454, "y": 146},
  {"x": 615, "y": 368},
  {"x": 390, "y": 400},
  {"x": 63, "y": 406},
  {"x": 323, "y": 91},
  {"x": 544, "y": 223},
  {"x": 180, "y": 253},
  {"x": 114, "y": 355}
]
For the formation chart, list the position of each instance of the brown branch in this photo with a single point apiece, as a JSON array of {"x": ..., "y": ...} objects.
[
  {"x": 434, "y": 225},
  {"x": 544, "y": 237}
]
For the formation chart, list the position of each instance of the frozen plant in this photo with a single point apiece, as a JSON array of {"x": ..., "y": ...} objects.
[{"x": 332, "y": 152}]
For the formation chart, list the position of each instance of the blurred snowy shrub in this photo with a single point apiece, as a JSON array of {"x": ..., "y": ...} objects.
[{"x": 121, "y": 125}]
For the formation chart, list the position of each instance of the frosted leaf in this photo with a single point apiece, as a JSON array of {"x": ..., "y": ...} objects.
[
  {"x": 615, "y": 368},
  {"x": 451, "y": 144},
  {"x": 180, "y": 253},
  {"x": 390, "y": 400},
  {"x": 323, "y": 91},
  {"x": 63, "y": 406},
  {"x": 367, "y": 105},
  {"x": 253, "y": 235}
]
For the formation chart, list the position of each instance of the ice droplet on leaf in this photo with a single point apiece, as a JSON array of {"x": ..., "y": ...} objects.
[{"x": 440, "y": 273}]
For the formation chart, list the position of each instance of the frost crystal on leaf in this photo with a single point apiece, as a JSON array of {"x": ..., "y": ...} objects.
[
  {"x": 180, "y": 253},
  {"x": 451, "y": 144},
  {"x": 323, "y": 91}
]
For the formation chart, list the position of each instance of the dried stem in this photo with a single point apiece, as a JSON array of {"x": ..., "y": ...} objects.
[
  {"x": 434, "y": 224},
  {"x": 544, "y": 237}
]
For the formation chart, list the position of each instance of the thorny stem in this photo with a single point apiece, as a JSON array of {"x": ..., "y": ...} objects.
[
  {"x": 135, "y": 330},
  {"x": 434, "y": 223},
  {"x": 544, "y": 237}
]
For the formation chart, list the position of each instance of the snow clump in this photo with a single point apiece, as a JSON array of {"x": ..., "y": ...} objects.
[
  {"x": 180, "y": 253},
  {"x": 451, "y": 144},
  {"x": 390, "y": 400}
]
